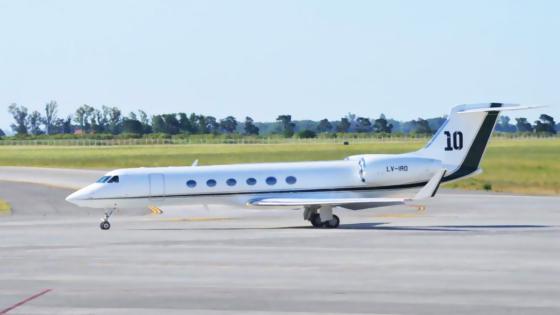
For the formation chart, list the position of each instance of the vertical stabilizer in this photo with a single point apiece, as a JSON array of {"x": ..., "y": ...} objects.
[{"x": 461, "y": 141}]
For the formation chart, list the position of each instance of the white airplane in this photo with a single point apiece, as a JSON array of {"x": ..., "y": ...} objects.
[{"x": 357, "y": 182}]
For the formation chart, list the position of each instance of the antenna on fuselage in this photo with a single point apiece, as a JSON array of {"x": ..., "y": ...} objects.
[{"x": 195, "y": 163}]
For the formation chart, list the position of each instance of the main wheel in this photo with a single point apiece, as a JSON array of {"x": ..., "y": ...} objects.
[
  {"x": 105, "y": 225},
  {"x": 334, "y": 223},
  {"x": 316, "y": 220}
]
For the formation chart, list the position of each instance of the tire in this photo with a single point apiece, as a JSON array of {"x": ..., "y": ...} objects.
[
  {"x": 334, "y": 223},
  {"x": 316, "y": 220},
  {"x": 105, "y": 225}
]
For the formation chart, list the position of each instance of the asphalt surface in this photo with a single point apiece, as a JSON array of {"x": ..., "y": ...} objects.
[{"x": 467, "y": 253}]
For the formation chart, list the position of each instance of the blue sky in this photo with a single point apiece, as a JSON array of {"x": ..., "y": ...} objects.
[{"x": 311, "y": 59}]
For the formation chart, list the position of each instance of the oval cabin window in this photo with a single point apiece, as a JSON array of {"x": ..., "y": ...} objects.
[{"x": 271, "y": 180}]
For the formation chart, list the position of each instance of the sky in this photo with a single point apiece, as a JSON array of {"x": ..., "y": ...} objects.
[{"x": 311, "y": 59}]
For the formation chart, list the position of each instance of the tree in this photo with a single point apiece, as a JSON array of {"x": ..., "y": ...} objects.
[
  {"x": 504, "y": 126},
  {"x": 20, "y": 114},
  {"x": 286, "y": 124},
  {"x": 99, "y": 121},
  {"x": 381, "y": 125},
  {"x": 307, "y": 134},
  {"x": 132, "y": 126},
  {"x": 2, "y": 134},
  {"x": 212, "y": 124},
  {"x": 545, "y": 124},
  {"x": 523, "y": 125},
  {"x": 228, "y": 124},
  {"x": 344, "y": 125},
  {"x": 200, "y": 123},
  {"x": 363, "y": 124},
  {"x": 82, "y": 117},
  {"x": 171, "y": 124},
  {"x": 63, "y": 125},
  {"x": 250, "y": 128},
  {"x": 35, "y": 121},
  {"x": 421, "y": 126},
  {"x": 114, "y": 118},
  {"x": 158, "y": 124},
  {"x": 51, "y": 111},
  {"x": 145, "y": 121},
  {"x": 185, "y": 123},
  {"x": 324, "y": 126}
]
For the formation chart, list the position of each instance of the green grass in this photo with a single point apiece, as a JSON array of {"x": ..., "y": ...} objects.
[
  {"x": 520, "y": 166},
  {"x": 5, "y": 208}
]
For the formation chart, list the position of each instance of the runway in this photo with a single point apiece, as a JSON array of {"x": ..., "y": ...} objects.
[{"x": 467, "y": 253}]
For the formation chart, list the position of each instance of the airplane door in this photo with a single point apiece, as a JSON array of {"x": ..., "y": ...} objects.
[{"x": 157, "y": 186}]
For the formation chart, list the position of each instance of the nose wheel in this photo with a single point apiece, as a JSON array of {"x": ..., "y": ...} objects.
[{"x": 105, "y": 225}]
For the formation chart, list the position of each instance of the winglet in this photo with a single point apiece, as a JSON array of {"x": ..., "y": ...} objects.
[{"x": 431, "y": 187}]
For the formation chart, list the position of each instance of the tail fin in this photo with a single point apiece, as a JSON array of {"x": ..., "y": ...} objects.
[{"x": 461, "y": 141}]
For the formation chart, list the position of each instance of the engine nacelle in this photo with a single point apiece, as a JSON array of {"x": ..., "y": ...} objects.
[{"x": 387, "y": 170}]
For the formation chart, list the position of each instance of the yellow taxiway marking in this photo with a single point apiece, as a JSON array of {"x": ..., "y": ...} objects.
[
  {"x": 155, "y": 210},
  {"x": 420, "y": 210}
]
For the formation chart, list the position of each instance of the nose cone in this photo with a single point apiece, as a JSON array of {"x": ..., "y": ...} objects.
[
  {"x": 75, "y": 197},
  {"x": 81, "y": 196}
]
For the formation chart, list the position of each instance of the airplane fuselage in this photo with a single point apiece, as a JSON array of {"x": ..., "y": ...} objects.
[{"x": 364, "y": 176}]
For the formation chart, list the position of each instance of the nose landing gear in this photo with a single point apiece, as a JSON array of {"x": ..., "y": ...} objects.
[{"x": 105, "y": 225}]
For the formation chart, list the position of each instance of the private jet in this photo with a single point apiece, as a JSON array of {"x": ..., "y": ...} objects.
[{"x": 357, "y": 182}]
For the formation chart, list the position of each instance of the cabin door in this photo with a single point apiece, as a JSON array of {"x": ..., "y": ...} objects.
[{"x": 157, "y": 186}]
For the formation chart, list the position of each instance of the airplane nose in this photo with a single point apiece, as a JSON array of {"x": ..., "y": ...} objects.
[
  {"x": 72, "y": 197},
  {"x": 75, "y": 197}
]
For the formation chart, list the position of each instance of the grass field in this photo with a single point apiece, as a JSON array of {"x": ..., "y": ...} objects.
[{"x": 519, "y": 166}]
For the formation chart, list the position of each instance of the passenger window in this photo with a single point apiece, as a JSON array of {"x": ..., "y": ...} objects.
[
  {"x": 271, "y": 180},
  {"x": 210, "y": 183},
  {"x": 291, "y": 180},
  {"x": 231, "y": 182},
  {"x": 114, "y": 180},
  {"x": 251, "y": 181},
  {"x": 191, "y": 183}
]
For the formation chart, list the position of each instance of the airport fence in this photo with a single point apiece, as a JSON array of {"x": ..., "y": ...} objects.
[{"x": 271, "y": 140}]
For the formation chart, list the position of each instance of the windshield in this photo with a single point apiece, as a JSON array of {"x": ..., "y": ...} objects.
[{"x": 103, "y": 179}]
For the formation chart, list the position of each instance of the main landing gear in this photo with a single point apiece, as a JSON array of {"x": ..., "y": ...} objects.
[
  {"x": 105, "y": 225},
  {"x": 321, "y": 217}
]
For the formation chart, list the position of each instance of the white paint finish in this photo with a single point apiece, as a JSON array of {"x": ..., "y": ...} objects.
[{"x": 327, "y": 183}]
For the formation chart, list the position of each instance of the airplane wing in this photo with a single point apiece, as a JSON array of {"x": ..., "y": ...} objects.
[{"x": 428, "y": 191}]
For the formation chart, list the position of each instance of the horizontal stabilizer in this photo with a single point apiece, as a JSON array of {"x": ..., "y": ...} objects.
[{"x": 501, "y": 108}]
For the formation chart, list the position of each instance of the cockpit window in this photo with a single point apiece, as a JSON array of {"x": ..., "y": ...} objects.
[
  {"x": 113, "y": 180},
  {"x": 103, "y": 179}
]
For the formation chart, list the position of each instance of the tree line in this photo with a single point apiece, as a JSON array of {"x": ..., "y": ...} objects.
[{"x": 88, "y": 120}]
